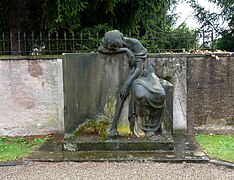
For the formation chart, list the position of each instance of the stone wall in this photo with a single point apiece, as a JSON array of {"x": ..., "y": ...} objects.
[
  {"x": 31, "y": 97},
  {"x": 210, "y": 106},
  {"x": 31, "y": 90}
]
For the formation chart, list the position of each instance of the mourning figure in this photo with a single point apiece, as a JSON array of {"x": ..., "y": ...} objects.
[{"x": 147, "y": 95}]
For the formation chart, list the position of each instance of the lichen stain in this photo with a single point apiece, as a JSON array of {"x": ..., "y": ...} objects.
[
  {"x": 43, "y": 84},
  {"x": 34, "y": 68},
  {"x": 22, "y": 99}
]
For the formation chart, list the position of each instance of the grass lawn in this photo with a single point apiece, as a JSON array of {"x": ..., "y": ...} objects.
[
  {"x": 13, "y": 149},
  {"x": 217, "y": 146}
]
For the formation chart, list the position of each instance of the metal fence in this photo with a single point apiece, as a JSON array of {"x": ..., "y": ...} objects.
[{"x": 64, "y": 42}]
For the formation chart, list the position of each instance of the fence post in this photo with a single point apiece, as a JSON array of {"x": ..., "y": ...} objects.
[
  {"x": 3, "y": 43},
  {"x": 32, "y": 40},
  {"x": 97, "y": 35},
  {"x": 130, "y": 34},
  {"x": 155, "y": 41},
  {"x": 11, "y": 40},
  {"x": 25, "y": 42},
  {"x": 146, "y": 38},
  {"x": 18, "y": 38},
  {"x": 89, "y": 37},
  {"x": 81, "y": 40},
  {"x": 57, "y": 42},
  {"x": 41, "y": 39},
  {"x": 73, "y": 43},
  {"x": 195, "y": 39},
  {"x": 179, "y": 40},
  {"x": 65, "y": 41},
  {"x": 170, "y": 41},
  {"x": 212, "y": 40},
  {"x": 49, "y": 41},
  {"x": 163, "y": 41},
  {"x": 203, "y": 39},
  {"x": 187, "y": 39}
]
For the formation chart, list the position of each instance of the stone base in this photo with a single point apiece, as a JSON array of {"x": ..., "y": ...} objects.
[
  {"x": 185, "y": 150},
  {"x": 117, "y": 144}
]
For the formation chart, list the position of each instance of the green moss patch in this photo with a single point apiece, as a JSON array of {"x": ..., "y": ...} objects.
[{"x": 100, "y": 124}]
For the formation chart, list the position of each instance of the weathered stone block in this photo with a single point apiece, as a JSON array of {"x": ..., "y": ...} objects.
[{"x": 31, "y": 97}]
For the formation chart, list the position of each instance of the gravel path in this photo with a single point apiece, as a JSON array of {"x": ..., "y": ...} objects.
[{"x": 129, "y": 170}]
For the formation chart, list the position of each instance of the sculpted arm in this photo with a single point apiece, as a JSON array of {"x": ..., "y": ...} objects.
[
  {"x": 126, "y": 87},
  {"x": 125, "y": 50}
]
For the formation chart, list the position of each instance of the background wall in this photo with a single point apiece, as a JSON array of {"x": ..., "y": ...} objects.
[
  {"x": 31, "y": 96},
  {"x": 31, "y": 90},
  {"x": 210, "y": 106}
]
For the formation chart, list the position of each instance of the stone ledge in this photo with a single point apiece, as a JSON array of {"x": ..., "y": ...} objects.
[
  {"x": 214, "y": 129},
  {"x": 196, "y": 54},
  {"x": 30, "y": 57},
  {"x": 185, "y": 150},
  {"x": 120, "y": 144}
]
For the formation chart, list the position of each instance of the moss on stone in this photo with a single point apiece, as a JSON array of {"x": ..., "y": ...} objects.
[
  {"x": 96, "y": 126},
  {"x": 99, "y": 125}
]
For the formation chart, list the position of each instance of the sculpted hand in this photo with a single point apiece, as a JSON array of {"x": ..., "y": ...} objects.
[{"x": 124, "y": 92}]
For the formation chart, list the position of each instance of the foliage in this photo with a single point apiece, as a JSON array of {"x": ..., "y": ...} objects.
[
  {"x": 177, "y": 39},
  {"x": 125, "y": 15},
  {"x": 84, "y": 17},
  {"x": 20, "y": 15},
  {"x": 211, "y": 20},
  {"x": 75, "y": 15},
  {"x": 227, "y": 8},
  {"x": 91, "y": 37},
  {"x": 90, "y": 19},
  {"x": 13, "y": 149},
  {"x": 226, "y": 42},
  {"x": 217, "y": 146},
  {"x": 63, "y": 14}
]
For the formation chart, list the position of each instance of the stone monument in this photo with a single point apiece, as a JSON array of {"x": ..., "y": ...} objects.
[
  {"x": 141, "y": 99},
  {"x": 147, "y": 106}
]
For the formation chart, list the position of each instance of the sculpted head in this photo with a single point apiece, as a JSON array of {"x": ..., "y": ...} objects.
[{"x": 113, "y": 40}]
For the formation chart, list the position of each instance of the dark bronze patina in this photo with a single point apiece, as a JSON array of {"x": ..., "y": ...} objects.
[{"x": 147, "y": 104}]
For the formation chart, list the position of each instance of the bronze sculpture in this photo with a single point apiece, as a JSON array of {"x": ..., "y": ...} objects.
[{"x": 147, "y": 102}]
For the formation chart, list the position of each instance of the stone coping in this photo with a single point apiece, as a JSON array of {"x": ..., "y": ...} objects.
[
  {"x": 200, "y": 54},
  {"x": 150, "y": 55},
  {"x": 30, "y": 57}
]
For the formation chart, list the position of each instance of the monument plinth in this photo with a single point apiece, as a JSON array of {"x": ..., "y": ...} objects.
[
  {"x": 122, "y": 143},
  {"x": 119, "y": 103}
]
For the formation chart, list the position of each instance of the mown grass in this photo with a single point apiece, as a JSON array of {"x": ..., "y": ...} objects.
[
  {"x": 217, "y": 146},
  {"x": 12, "y": 149}
]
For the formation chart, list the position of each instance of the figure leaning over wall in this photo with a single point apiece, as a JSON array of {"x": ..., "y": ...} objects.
[{"x": 147, "y": 95}]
